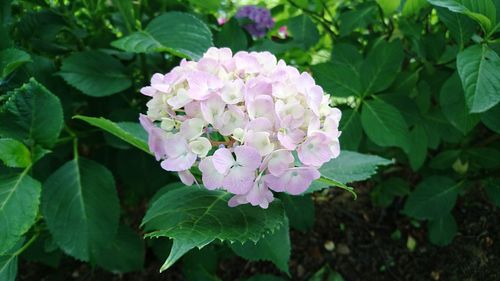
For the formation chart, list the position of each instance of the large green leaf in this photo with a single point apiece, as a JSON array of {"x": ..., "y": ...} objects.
[
  {"x": 461, "y": 28},
  {"x": 33, "y": 114},
  {"x": 231, "y": 36},
  {"x": 452, "y": 101},
  {"x": 130, "y": 132},
  {"x": 359, "y": 17},
  {"x": 341, "y": 76},
  {"x": 433, "y": 198},
  {"x": 352, "y": 132},
  {"x": 80, "y": 206},
  {"x": 8, "y": 262},
  {"x": 124, "y": 253},
  {"x": 304, "y": 32},
  {"x": 126, "y": 9},
  {"x": 383, "y": 194},
  {"x": 389, "y": 6},
  {"x": 273, "y": 247},
  {"x": 14, "y": 153},
  {"x": 19, "y": 200},
  {"x": 384, "y": 124},
  {"x": 202, "y": 216},
  {"x": 442, "y": 230},
  {"x": 349, "y": 167},
  {"x": 491, "y": 118},
  {"x": 412, "y": 7},
  {"x": 95, "y": 73},
  {"x": 418, "y": 147},
  {"x": 299, "y": 210},
  {"x": 479, "y": 70},
  {"x": 381, "y": 66},
  {"x": 201, "y": 265},
  {"x": 181, "y": 34},
  {"x": 482, "y": 11},
  {"x": 10, "y": 60}
]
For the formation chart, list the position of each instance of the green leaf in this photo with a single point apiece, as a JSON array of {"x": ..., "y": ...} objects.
[
  {"x": 10, "y": 60},
  {"x": 203, "y": 216},
  {"x": 442, "y": 230},
  {"x": 19, "y": 200},
  {"x": 413, "y": 7},
  {"x": 491, "y": 118},
  {"x": 326, "y": 274},
  {"x": 232, "y": 36},
  {"x": 461, "y": 28},
  {"x": 452, "y": 101},
  {"x": 482, "y": 11},
  {"x": 359, "y": 17},
  {"x": 130, "y": 132},
  {"x": 126, "y": 9},
  {"x": 350, "y": 167},
  {"x": 384, "y": 124},
  {"x": 32, "y": 114},
  {"x": 492, "y": 187},
  {"x": 341, "y": 76},
  {"x": 383, "y": 194},
  {"x": 95, "y": 73},
  {"x": 304, "y": 32},
  {"x": 418, "y": 147},
  {"x": 125, "y": 253},
  {"x": 299, "y": 210},
  {"x": 389, "y": 6},
  {"x": 444, "y": 160},
  {"x": 352, "y": 132},
  {"x": 479, "y": 70},
  {"x": 14, "y": 154},
  {"x": 8, "y": 262},
  {"x": 337, "y": 79},
  {"x": 484, "y": 157},
  {"x": 178, "y": 33},
  {"x": 433, "y": 198},
  {"x": 80, "y": 206},
  {"x": 273, "y": 247},
  {"x": 201, "y": 265},
  {"x": 382, "y": 65}
]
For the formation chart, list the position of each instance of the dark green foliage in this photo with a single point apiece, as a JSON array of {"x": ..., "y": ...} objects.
[{"x": 418, "y": 83}]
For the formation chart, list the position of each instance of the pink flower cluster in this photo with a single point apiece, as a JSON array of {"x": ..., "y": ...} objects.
[{"x": 249, "y": 123}]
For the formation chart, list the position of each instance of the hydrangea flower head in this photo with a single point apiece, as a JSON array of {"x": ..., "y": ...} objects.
[
  {"x": 251, "y": 124},
  {"x": 260, "y": 20}
]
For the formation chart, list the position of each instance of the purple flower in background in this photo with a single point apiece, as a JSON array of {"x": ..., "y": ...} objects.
[{"x": 260, "y": 20}]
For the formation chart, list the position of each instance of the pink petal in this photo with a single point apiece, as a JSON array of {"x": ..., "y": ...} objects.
[
  {"x": 148, "y": 91},
  {"x": 279, "y": 162},
  {"x": 260, "y": 124},
  {"x": 211, "y": 178},
  {"x": 315, "y": 151},
  {"x": 179, "y": 163},
  {"x": 300, "y": 179},
  {"x": 260, "y": 195},
  {"x": 239, "y": 180},
  {"x": 247, "y": 156},
  {"x": 212, "y": 108},
  {"x": 176, "y": 145},
  {"x": 186, "y": 177},
  {"x": 237, "y": 200},
  {"x": 223, "y": 160},
  {"x": 290, "y": 138},
  {"x": 294, "y": 181},
  {"x": 277, "y": 183}
]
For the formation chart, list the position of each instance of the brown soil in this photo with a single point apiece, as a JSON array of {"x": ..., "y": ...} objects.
[{"x": 363, "y": 248}]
